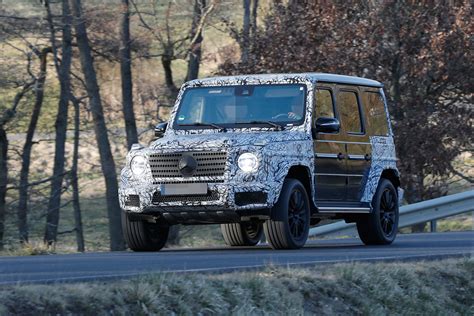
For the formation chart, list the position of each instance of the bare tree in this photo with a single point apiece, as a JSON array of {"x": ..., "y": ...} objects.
[
  {"x": 126, "y": 76},
  {"x": 245, "y": 36},
  {"x": 28, "y": 145},
  {"x": 195, "y": 50},
  {"x": 172, "y": 45},
  {"x": 74, "y": 178},
  {"x": 63, "y": 70},
  {"x": 7, "y": 115},
  {"x": 106, "y": 159}
]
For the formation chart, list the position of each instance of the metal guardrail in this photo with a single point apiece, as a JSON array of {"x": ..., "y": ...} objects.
[{"x": 412, "y": 214}]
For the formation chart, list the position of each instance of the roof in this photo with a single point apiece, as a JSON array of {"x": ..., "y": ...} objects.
[{"x": 312, "y": 76}]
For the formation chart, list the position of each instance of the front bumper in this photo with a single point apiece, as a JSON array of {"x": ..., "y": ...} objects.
[{"x": 232, "y": 196}]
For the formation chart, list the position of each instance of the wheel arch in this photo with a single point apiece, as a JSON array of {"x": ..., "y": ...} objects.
[
  {"x": 392, "y": 175},
  {"x": 302, "y": 173}
]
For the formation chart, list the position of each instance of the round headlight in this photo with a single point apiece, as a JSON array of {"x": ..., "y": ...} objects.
[
  {"x": 248, "y": 162},
  {"x": 138, "y": 165}
]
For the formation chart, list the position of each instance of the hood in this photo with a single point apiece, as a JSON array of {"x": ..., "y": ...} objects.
[{"x": 224, "y": 140}]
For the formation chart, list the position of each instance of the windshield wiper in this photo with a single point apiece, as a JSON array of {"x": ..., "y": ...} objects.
[
  {"x": 205, "y": 124},
  {"x": 272, "y": 124}
]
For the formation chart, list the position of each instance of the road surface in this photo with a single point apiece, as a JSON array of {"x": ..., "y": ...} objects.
[{"x": 103, "y": 266}]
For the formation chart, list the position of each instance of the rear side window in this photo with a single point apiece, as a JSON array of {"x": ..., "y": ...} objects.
[
  {"x": 349, "y": 110},
  {"x": 376, "y": 113},
  {"x": 324, "y": 103}
]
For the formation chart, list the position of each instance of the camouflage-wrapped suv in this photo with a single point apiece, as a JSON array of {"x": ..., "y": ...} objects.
[{"x": 269, "y": 154}]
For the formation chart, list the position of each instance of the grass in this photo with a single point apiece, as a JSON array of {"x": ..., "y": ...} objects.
[{"x": 425, "y": 288}]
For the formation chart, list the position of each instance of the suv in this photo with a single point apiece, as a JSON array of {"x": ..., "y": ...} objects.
[{"x": 269, "y": 154}]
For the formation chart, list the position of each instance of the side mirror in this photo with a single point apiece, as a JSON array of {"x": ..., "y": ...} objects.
[
  {"x": 327, "y": 125},
  {"x": 160, "y": 129}
]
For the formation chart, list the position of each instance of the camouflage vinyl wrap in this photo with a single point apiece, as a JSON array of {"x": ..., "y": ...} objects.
[{"x": 383, "y": 157}]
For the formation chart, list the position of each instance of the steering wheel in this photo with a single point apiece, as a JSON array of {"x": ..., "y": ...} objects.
[{"x": 281, "y": 115}]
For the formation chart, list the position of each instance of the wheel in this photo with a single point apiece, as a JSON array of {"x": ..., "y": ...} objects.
[
  {"x": 289, "y": 226},
  {"x": 242, "y": 234},
  {"x": 143, "y": 236},
  {"x": 381, "y": 226}
]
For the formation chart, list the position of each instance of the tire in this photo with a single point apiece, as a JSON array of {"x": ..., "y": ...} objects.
[
  {"x": 242, "y": 234},
  {"x": 381, "y": 226},
  {"x": 143, "y": 236},
  {"x": 289, "y": 225}
]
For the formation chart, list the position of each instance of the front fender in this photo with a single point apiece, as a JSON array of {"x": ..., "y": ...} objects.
[{"x": 279, "y": 158}]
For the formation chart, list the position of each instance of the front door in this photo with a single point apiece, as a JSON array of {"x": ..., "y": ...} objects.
[{"x": 329, "y": 151}]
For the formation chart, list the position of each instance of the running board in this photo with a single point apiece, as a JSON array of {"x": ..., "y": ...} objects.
[{"x": 342, "y": 209}]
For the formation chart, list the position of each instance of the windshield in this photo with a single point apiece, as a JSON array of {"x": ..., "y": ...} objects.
[{"x": 241, "y": 106}]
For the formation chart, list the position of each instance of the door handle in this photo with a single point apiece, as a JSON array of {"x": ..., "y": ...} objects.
[
  {"x": 367, "y": 157},
  {"x": 340, "y": 156}
]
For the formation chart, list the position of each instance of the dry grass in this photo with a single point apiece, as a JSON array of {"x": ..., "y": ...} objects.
[{"x": 425, "y": 288}]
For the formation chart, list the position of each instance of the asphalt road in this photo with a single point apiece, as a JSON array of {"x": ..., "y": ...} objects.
[{"x": 100, "y": 266}]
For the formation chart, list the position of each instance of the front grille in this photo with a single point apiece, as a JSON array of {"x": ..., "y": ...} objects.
[
  {"x": 209, "y": 164},
  {"x": 132, "y": 200},
  {"x": 210, "y": 196}
]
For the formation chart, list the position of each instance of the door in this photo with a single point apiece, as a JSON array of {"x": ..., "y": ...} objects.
[
  {"x": 329, "y": 151},
  {"x": 358, "y": 148}
]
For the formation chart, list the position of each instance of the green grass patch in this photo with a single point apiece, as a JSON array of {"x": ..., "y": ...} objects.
[{"x": 424, "y": 288}]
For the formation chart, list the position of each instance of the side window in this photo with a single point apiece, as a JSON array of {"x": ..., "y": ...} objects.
[
  {"x": 350, "y": 111},
  {"x": 324, "y": 104},
  {"x": 376, "y": 113}
]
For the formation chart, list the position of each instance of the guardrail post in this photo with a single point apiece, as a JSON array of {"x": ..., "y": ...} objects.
[{"x": 433, "y": 226}]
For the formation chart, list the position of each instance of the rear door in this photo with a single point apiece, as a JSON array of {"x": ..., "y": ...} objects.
[
  {"x": 356, "y": 139},
  {"x": 329, "y": 150}
]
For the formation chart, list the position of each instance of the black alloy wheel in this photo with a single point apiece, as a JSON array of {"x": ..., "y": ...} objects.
[
  {"x": 297, "y": 214},
  {"x": 388, "y": 211},
  {"x": 381, "y": 226},
  {"x": 288, "y": 227}
]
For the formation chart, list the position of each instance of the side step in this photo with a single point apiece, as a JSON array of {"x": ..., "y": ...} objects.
[
  {"x": 343, "y": 209},
  {"x": 335, "y": 207}
]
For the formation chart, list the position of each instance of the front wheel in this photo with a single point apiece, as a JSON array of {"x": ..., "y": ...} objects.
[
  {"x": 381, "y": 226},
  {"x": 242, "y": 234},
  {"x": 143, "y": 236},
  {"x": 289, "y": 226}
]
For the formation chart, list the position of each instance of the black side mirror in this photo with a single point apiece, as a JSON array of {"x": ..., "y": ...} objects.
[
  {"x": 160, "y": 129},
  {"x": 327, "y": 125}
]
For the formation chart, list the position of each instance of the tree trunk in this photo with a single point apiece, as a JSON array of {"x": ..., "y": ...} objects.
[
  {"x": 126, "y": 76},
  {"x": 254, "y": 20},
  {"x": 3, "y": 180},
  {"x": 244, "y": 46},
  {"x": 166, "y": 60},
  {"x": 74, "y": 180},
  {"x": 52, "y": 218},
  {"x": 195, "y": 51},
  {"x": 26, "y": 154},
  {"x": 106, "y": 159}
]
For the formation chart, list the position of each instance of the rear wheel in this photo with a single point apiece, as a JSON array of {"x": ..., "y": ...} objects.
[
  {"x": 143, "y": 236},
  {"x": 381, "y": 226},
  {"x": 289, "y": 226},
  {"x": 242, "y": 234}
]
